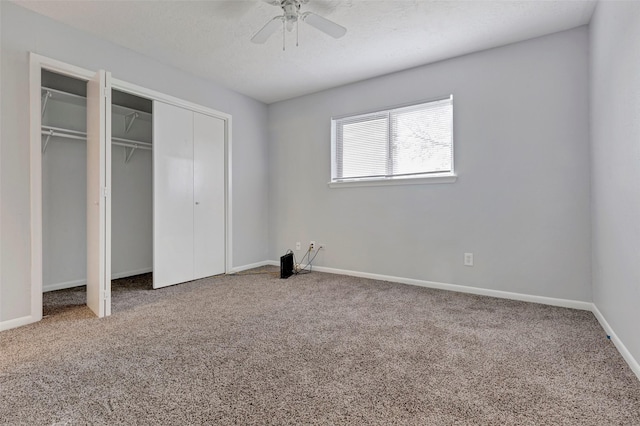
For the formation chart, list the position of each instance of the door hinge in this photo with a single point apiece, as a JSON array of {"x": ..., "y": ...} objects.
[
  {"x": 105, "y": 192},
  {"x": 105, "y": 294}
]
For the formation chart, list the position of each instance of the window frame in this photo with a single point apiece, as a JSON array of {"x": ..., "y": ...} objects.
[{"x": 426, "y": 178}]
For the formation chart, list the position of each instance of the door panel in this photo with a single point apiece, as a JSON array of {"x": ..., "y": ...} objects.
[
  {"x": 172, "y": 195},
  {"x": 209, "y": 195},
  {"x": 98, "y": 199}
]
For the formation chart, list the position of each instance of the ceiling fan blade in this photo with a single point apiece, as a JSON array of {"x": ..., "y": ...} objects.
[
  {"x": 271, "y": 27},
  {"x": 324, "y": 25}
]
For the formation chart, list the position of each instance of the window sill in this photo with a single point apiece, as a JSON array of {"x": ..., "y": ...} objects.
[{"x": 425, "y": 180}]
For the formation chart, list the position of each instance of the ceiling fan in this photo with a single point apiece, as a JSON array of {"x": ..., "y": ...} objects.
[{"x": 291, "y": 17}]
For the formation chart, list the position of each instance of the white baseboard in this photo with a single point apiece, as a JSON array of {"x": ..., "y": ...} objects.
[
  {"x": 76, "y": 283},
  {"x": 250, "y": 266},
  {"x": 131, "y": 273},
  {"x": 565, "y": 303},
  {"x": 631, "y": 361},
  {"x": 17, "y": 322},
  {"x": 62, "y": 286}
]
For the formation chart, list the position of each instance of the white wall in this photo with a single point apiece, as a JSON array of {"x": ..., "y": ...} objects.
[
  {"x": 521, "y": 202},
  {"x": 615, "y": 133},
  {"x": 24, "y": 31}
]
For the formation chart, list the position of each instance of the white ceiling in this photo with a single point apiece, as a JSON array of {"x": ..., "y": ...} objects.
[{"x": 211, "y": 38}]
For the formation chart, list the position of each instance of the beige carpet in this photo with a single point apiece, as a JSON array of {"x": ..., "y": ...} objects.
[{"x": 313, "y": 349}]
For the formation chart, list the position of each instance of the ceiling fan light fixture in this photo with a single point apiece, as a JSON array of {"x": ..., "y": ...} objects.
[
  {"x": 290, "y": 18},
  {"x": 290, "y": 24}
]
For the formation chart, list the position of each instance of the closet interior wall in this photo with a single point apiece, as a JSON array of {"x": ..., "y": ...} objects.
[{"x": 64, "y": 190}]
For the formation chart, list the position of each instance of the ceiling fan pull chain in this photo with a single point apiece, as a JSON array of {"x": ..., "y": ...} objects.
[
  {"x": 297, "y": 30},
  {"x": 283, "y": 32}
]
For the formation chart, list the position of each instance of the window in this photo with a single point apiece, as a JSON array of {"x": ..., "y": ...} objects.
[{"x": 398, "y": 144}]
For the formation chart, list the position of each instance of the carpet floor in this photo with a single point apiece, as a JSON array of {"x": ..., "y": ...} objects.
[{"x": 313, "y": 349}]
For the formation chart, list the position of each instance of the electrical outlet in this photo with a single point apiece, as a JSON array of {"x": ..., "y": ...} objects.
[
  {"x": 298, "y": 245},
  {"x": 468, "y": 259},
  {"x": 312, "y": 245}
]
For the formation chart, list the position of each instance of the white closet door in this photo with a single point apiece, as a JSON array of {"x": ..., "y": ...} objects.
[
  {"x": 172, "y": 195},
  {"x": 208, "y": 218},
  {"x": 98, "y": 197}
]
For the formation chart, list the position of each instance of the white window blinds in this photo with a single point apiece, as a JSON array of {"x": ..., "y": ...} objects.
[{"x": 411, "y": 141}]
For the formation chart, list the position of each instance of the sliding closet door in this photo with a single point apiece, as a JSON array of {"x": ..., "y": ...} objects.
[
  {"x": 98, "y": 197},
  {"x": 208, "y": 218},
  {"x": 173, "y": 201}
]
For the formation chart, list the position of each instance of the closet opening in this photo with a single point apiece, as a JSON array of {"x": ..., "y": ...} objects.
[
  {"x": 64, "y": 168},
  {"x": 131, "y": 190}
]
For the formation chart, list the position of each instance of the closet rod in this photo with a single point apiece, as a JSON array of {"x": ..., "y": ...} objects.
[
  {"x": 65, "y": 132},
  {"x": 132, "y": 145},
  {"x": 60, "y": 129},
  {"x": 64, "y": 135},
  {"x": 114, "y": 141},
  {"x": 131, "y": 142}
]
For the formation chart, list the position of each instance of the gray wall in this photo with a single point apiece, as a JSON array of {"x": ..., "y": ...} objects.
[
  {"x": 24, "y": 31},
  {"x": 64, "y": 199},
  {"x": 615, "y": 133},
  {"x": 522, "y": 200}
]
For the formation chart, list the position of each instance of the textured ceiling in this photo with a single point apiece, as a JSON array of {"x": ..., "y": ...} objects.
[{"x": 211, "y": 38}]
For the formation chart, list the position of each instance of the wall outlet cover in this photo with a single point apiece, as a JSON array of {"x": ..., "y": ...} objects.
[{"x": 468, "y": 259}]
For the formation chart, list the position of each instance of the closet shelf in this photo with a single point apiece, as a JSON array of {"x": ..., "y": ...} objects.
[
  {"x": 72, "y": 98},
  {"x": 142, "y": 115}
]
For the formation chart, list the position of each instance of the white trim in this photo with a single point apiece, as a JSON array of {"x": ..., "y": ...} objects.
[
  {"x": 250, "y": 266},
  {"x": 228, "y": 199},
  {"x": 168, "y": 99},
  {"x": 36, "y": 64},
  {"x": 444, "y": 177},
  {"x": 631, "y": 361},
  {"x": 162, "y": 97},
  {"x": 60, "y": 67},
  {"x": 77, "y": 283},
  {"x": 17, "y": 322},
  {"x": 552, "y": 301},
  {"x": 439, "y": 178}
]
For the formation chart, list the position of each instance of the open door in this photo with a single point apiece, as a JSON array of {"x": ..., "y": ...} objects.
[
  {"x": 98, "y": 194},
  {"x": 209, "y": 205}
]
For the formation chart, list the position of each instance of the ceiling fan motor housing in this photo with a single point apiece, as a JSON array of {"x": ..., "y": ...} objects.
[
  {"x": 291, "y": 16},
  {"x": 291, "y": 10}
]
